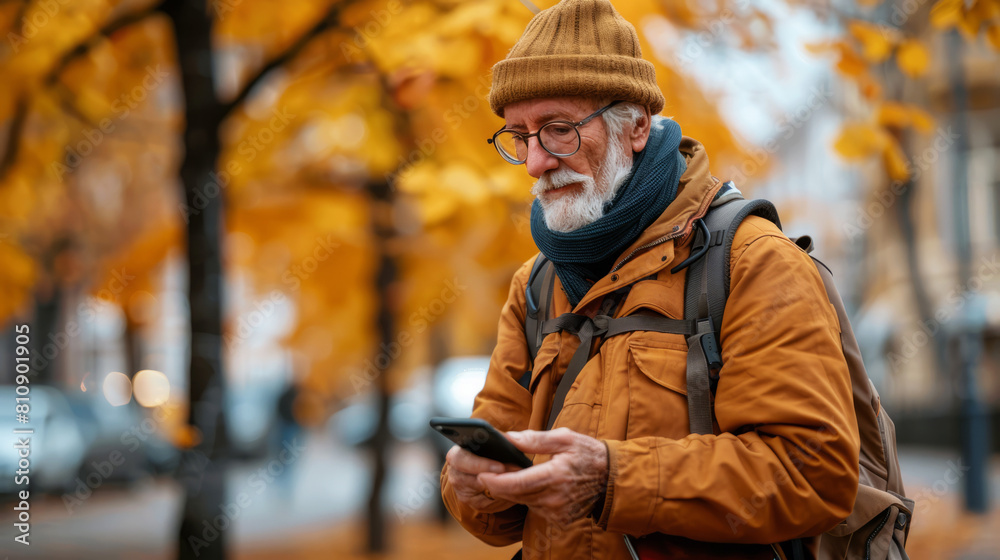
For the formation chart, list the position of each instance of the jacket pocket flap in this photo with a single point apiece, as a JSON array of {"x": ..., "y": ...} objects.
[
  {"x": 664, "y": 366},
  {"x": 654, "y": 295},
  {"x": 869, "y": 504}
]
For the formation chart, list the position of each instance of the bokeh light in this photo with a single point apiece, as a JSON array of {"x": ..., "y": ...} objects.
[
  {"x": 117, "y": 388},
  {"x": 151, "y": 387}
]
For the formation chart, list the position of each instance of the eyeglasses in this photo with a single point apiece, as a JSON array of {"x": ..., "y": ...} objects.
[{"x": 559, "y": 138}]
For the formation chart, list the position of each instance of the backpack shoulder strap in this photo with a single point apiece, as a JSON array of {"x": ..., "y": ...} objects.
[
  {"x": 709, "y": 277},
  {"x": 705, "y": 293},
  {"x": 538, "y": 295}
]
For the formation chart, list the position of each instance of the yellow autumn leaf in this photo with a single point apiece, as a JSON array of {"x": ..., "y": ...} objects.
[
  {"x": 850, "y": 63},
  {"x": 821, "y": 47},
  {"x": 438, "y": 207},
  {"x": 913, "y": 58},
  {"x": 970, "y": 23},
  {"x": 457, "y": 56},
  {"x": 988, "y": 10},
  {"x": 869, "y": 87},
  {"x": 946, "y": 13},
  {"x": 859, "y": 140},
  {"x": 876, "y": 44},
  {"x": 893, "y": 114},
  {"x": 993, "y": 36},
  {"x": 465, "y": 182},
  {"x": 896, "y": 115}
]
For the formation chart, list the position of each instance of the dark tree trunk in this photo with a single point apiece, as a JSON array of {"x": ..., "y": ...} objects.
[
  {"x": 133, "y": 349},
  {"x": 439, "y": 353},
  {"x": 386, "y": 276},
  {"x": 202, "y": 535},
  {"x": 925, "y": 309},
  {"x": 49, "y": 344}
]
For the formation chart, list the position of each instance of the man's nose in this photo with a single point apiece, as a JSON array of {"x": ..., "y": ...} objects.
[{"x": 539, "y": 161}]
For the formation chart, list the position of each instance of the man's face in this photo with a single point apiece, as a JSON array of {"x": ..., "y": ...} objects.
[{"x": 572, "y": 190}]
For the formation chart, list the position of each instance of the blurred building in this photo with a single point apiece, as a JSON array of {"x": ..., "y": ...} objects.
[
  {"x": 920, "y": 311},
  {"x": 895, "y": 248}
]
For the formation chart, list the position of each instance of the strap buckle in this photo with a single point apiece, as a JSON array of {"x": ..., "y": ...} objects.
[
  {"x": 710, "y": 345},
  {"x": 601, "y": 323}
]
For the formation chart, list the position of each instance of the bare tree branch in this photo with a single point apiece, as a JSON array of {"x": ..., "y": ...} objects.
[
  {"x": 327, "y": 22},
  {"x": 21, "y": 11},
  {"x": 14, "y": 137},
  {"x": 69, "y": 105},
  {"x": 52, "y": 79},
  {"x": 101, "y": 34}
]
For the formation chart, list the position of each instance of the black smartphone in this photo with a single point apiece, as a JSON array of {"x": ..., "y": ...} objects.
[{"x": 481, "y": 438}]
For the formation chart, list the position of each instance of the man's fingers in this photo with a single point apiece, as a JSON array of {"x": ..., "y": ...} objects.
[
  {"x": 520, "y": 483},
  {"x": 468, "y": 462},
  {"x": 548, "y": 443},
  {"x": 465, "y": 482}
]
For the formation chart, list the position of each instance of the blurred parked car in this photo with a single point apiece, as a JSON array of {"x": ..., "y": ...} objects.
[
  {"x": 57, "y": 446},
  {"x": 79, "y": 436},
  {"x": 251, "y": 418},
  {"x": 128, "y": 430}
]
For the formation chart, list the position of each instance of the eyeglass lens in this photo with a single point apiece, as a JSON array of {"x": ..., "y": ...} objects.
[{"x": 558, "y": 138}]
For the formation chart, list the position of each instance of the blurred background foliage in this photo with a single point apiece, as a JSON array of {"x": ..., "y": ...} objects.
[{"x": 362, "y": 212}]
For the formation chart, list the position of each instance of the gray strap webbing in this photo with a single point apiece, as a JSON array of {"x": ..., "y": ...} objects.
[
  {"x": 717, "y": 260},
  {"x": 548, "y": 282},
  {"x": 650, "y": 323},
  {"x": 728, "y": 218},
  {"x": 586, "y": 329},
  {"x": 698, "y": 389},
  {"x": 576, "y": 363},
  {"x": 705, "y": 293},
  {"x": 571, "y": 322},
  {"x": 610, "y": 326},
  {"x": 534, "y": 315}
]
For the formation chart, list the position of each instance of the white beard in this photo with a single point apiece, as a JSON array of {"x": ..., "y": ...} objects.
[{"x": 572, "y": 211}]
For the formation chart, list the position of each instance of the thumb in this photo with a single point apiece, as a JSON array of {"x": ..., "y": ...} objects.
[{"x": 548, "y": 443}]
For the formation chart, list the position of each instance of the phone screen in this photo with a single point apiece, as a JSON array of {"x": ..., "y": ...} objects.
[{"x": 481, "y": 438}]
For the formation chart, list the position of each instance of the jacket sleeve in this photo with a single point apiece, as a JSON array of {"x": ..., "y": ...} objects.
[
  {"x": 785, "y": 464},
  {"x": 507, "y": 406}
]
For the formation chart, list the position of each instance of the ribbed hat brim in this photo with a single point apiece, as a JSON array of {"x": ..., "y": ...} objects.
[{"x": 616, "y": 77}]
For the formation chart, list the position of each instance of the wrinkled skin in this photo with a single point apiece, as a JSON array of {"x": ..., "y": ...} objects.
[{"x": 562, "y": 490}]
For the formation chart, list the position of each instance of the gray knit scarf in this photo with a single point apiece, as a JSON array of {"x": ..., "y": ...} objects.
[{"x": 583, "y": 256}]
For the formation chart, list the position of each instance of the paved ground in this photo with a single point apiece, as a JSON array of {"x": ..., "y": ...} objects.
[
  {"x": 313, "y": 514},
  {"x": 941, "y": 530}
]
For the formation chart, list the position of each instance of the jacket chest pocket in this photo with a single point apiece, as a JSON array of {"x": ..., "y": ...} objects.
[{"x": 657, "y": 386}]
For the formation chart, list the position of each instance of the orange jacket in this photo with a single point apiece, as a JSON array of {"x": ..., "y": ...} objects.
[{"x": 784, "y": 461}]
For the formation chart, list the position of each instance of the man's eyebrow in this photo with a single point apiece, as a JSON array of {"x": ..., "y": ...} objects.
[
  {"x": 549, "y": 116},
  {"x": 546, "y": 117}
]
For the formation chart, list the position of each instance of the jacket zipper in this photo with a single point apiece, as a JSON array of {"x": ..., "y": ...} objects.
[
  {"x": 871, "y": 537},
  {"x": 653, "y": 243}
]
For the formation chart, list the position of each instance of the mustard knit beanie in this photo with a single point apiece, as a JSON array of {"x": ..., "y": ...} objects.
[{"x": 577, "y": 47}]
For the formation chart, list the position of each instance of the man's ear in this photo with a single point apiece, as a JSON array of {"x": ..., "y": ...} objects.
[{"x": 640, "y": 132}]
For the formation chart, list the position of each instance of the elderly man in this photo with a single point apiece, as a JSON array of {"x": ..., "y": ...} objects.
[{"x": 618, "y": 189}]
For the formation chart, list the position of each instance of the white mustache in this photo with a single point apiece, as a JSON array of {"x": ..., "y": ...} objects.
[{"x": 560, "y": 178}]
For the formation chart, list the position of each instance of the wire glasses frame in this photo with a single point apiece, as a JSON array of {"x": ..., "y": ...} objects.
[{"x": 559, "y": 138}]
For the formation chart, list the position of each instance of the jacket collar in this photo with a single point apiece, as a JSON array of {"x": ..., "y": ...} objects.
[{"x": 653, "y": 250}]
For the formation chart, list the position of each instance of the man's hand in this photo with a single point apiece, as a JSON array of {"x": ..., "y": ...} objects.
[
  {"x": 463, "y": 468},
  {"x": 563, "y": 489}
]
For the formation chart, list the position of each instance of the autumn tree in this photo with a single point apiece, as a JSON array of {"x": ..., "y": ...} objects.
[{"x": 330, "y": 158}]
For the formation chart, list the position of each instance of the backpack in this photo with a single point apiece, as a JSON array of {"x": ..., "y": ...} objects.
[{"x": 880, "y": 520}]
